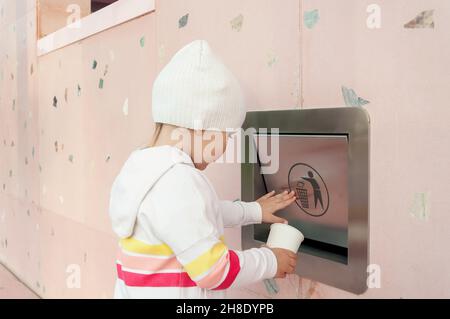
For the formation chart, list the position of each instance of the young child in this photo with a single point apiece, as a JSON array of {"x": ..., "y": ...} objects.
[{"x": 165, "y": 210}]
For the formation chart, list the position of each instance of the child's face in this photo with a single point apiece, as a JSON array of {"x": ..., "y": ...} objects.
[
  {"x": 203, "y": 146},
  {"x": 211, "y": 147}
]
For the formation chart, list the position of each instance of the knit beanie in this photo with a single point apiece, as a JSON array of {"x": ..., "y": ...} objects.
[{"x": 196, "y": 90}]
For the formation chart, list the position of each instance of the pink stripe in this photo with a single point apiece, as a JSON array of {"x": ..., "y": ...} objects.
[
  {"x": 214, "y": 276},
  {"x": 233, "y": 271},
  {"x": 155, "y": 280},
  {"x": 148, "y": 263}
]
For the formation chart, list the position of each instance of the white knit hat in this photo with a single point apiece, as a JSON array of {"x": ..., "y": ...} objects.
[{"x": 196, "y": 90}]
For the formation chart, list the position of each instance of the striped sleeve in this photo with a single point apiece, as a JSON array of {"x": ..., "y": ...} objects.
[{"x": 186, "y": 224}]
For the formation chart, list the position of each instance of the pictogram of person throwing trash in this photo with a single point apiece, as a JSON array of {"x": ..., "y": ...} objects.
[
  {"x": 316, "y": 188},
  {"x": 308, "y": 184}
]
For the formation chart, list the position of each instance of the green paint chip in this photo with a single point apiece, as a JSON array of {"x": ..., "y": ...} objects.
[
  {"x": 94, "y": 65},
  {"x": 351, "y": 98},
  {"x": 100, "y": 84},
  {"x": 142, "y": 42},
  {"x": 311, "y": 18},
  {"x": 71, "y": 158},
  {"x": 420, "y": 207}
]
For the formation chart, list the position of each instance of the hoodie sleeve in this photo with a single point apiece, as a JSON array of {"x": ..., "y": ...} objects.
[
  {"x": 238, "y": 213},
  {"x": 182, "y": 219}
]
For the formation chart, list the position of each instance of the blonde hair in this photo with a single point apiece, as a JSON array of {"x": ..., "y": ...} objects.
[{"x": 156, "y": 132}]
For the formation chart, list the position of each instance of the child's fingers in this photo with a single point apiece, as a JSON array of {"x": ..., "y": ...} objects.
[
  {"x": 280, "y": 196},
  {"x": 268, "y": 195},
  {"x": 285, "y": 203},
  {"x": 285, "y": 195}
]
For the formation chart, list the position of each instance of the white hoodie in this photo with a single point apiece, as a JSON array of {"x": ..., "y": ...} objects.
[{"x": 171, "y": 224}]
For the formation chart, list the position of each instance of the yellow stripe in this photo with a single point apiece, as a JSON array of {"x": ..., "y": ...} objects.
[
  {"x": 136, "y": 246},
  {"x": 206, "y": 260}
]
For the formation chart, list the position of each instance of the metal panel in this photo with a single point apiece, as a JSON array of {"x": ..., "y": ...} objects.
[{"x": 323, "y": 156}]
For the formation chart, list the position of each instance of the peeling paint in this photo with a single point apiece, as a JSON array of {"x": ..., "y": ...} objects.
[
  {"x": 310, "y": 18},
  {"x": 112, "y": 56},
  {"x": 182, "y": 22},
  {"x": 271, "y": 286},
  {"x": 161, "y": 52},
  {"x": 142, "y": 41},
  {"x": 351, "y": 99},
  {"x": 94, "y": 64},
  {"x": 125, "y": 107},
  {"x": 55, "y": 101},
  {"x": 422, "y": 20},
  {"x": 308, "y": 289},
  {"x": 420, "y": 206},
  {"x": 237, "y": 22},
  {"x": 100, "y": 83},
  {"x": 271, "y": 59}
]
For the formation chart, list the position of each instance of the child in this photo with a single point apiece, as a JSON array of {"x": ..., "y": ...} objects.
[{"x": 163, "y": 207}]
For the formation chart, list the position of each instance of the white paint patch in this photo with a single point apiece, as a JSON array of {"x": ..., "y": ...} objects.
[
  {"x": 73, "y": 280},
  {"x": 112, "y": 56},
  {"x": 125, "y": 107},
  {"x": 374, "y": 276},
  {"x": 420, "y": 207},
  {"x": 161, "y": 52}
]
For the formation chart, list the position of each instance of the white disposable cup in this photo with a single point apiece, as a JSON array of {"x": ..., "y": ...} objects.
[{"x": 284, "y": 236}]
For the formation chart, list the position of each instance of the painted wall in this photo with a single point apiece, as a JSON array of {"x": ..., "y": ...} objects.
[{"x": 70, "y": 118}]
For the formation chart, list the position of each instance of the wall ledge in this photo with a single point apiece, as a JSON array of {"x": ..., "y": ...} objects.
[{"x": 108, "y": 17}]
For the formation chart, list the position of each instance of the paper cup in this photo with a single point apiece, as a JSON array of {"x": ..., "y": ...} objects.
[{"x": 284, "y": 236}]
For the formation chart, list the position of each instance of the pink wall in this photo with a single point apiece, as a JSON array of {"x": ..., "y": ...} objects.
[{"x": 53, "y": 204}]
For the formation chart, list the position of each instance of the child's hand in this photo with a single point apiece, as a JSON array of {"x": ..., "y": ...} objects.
[
  {"x": 286, "y": 262},
  {"x": 270, "y": 203}
]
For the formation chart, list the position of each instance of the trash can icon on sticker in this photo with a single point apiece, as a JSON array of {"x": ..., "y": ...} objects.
[
  {"x": 302, "y": 194},
  {"x": 312, "y": 192}
]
